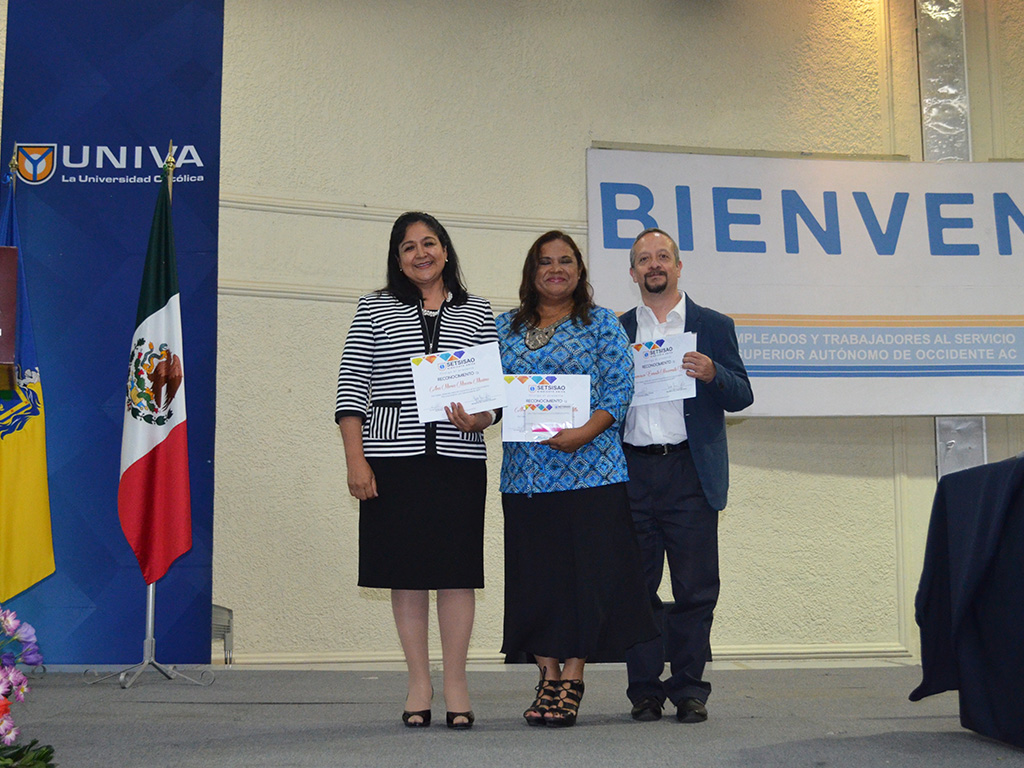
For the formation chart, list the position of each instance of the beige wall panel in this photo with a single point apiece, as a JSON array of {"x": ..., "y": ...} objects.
[
  {"x": 808, "y": 551},
  {"x": 487, "y": 108},
  {"x": 995, "y": 61},
  {"x": 1007, "y": 67}
]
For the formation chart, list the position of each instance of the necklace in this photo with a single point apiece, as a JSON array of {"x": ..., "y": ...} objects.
[
  {"x": 434, "y": 312},
  {"x": 536, "y": 338}
]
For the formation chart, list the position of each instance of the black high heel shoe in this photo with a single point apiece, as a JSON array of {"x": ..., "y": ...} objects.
[
  {"x": 567, "y": 704},
  {"x": 464, "y": 726},
  {"x": 423, "y": 722},
  {"x": 546, "y": 692}
]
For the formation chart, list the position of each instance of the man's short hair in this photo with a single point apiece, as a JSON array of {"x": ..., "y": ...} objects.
[{"x": 649, "y": 230}]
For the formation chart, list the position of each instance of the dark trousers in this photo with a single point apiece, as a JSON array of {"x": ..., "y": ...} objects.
[{"x": 672, "y": 518}]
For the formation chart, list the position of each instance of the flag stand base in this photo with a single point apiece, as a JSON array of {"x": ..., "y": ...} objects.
[{"x": 126, "y": 677}]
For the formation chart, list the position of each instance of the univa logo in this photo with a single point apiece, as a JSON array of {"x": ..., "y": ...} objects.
[{"x": 37, "y": 163}]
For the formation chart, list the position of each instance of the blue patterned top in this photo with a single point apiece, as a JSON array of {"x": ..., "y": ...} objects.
[{"x": 600, "y": 350}]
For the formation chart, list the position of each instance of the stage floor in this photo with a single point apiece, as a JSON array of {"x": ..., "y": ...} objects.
[{"x": 815, "y": 714}]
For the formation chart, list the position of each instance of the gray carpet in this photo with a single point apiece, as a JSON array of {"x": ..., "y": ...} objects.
[{"x": 792, "y": 717}]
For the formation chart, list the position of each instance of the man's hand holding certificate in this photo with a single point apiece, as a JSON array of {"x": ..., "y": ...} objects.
[
  {"x": 659, "y": 372},
  {"x": 471, "y": 376}
]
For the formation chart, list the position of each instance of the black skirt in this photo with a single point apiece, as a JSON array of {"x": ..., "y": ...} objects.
[
  {"x": 425, "y": 529},
  {"x": 574, "y": 587}
]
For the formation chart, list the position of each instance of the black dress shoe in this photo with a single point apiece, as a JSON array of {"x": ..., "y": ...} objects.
[
  {"x": 468, "y": 718},
  {"x": 422, "y": 714},
  {"x": 647, "y": 710},
  {"x": 691, "y": 711}
]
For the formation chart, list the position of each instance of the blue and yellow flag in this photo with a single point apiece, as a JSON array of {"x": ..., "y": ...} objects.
[{"x": 26, "y": 543}]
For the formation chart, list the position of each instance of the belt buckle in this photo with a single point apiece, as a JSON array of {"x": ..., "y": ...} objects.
[{"x": 664, "y": 449}]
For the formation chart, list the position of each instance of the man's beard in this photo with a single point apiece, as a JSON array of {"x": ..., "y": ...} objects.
[{"x": 657, "y": 288}]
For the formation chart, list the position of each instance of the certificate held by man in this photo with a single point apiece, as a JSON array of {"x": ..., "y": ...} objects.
[
  {"x": 542, "y": 405},
  {"x": 471, "y": 376},
  {"x": 658, "y": 370}
]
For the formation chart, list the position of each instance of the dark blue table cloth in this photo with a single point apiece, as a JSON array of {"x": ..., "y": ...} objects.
[{"x": 970, "y": 603}]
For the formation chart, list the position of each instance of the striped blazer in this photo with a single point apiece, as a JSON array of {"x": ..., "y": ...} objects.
[{"x": 375, "y": 379}]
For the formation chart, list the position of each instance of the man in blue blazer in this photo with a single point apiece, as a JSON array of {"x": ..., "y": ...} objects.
[{"x": 678, "y": 481}]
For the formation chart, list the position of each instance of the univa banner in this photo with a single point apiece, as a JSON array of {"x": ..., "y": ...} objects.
[{"x": 94, "y": 94}]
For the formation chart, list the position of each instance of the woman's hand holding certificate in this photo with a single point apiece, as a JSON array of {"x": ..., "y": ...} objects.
[
  {"x": 542, "y": 405},
  {"x": 470, "y": 376}
]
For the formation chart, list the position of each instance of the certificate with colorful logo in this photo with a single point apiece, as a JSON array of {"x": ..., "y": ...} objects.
[
  {"x": 471, "y": 376},
  {"x": 541, "y": 405},
  {"x": 658, "y": 370}
]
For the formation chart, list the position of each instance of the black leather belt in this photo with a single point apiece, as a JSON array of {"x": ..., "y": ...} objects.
[{"x": 659, "y": 449}]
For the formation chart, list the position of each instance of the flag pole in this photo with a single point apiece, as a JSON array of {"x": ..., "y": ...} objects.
[
  {"x": 128, "y": 676},
  {"x": 169, "y": 169}
]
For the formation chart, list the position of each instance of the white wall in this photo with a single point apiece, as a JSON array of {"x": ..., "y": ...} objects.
[{"x": 340, "y": 114}]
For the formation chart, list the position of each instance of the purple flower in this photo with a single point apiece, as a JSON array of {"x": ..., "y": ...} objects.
[
  {"x": 26, "y": 633},
  {"x": 8, "y": 733},
  {"x": 9, "y": 622},
  {"x": 13, "y": 683},
  {"x": 30, "y": 654},
  {"x": 21, "y": 689}
]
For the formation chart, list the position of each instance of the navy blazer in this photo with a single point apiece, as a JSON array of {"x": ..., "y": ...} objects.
[{"x": 728, "y": 391}]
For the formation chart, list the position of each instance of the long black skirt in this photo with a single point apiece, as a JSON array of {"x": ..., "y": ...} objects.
[
  {"x": 425, "y": 529},
  {"x": 574, "y": 587}
]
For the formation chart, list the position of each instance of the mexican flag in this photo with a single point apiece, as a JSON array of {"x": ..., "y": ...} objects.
[{"x": 153, "y": 497}]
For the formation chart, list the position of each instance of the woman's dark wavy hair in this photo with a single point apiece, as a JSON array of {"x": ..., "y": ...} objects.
[
  {"x": 400, "y": 286},
  {"x": 529, "y": 298}
]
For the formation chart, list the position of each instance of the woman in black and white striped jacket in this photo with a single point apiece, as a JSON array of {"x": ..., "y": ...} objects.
[{"x": 421, "y": 487}]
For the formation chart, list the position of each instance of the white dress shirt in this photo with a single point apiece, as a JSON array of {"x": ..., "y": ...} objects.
[{"x": 659, "y": 423}]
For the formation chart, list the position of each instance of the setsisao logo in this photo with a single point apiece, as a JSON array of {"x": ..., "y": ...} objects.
[
  {"x": 444, "y": 357},
  {"x": 650, "y": 346},
  {"x": 535, "y": 379}
]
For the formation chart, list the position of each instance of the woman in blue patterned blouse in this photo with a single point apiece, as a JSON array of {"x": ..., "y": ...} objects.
[{"x": 573, "y": 584}]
